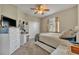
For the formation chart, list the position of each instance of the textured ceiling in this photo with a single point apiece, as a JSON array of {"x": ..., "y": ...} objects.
[{"x": 53, "y": 8}]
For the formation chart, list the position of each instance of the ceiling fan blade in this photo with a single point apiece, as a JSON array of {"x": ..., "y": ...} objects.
[
  {"x": 40, "y": 9},
  {"x": 36, "y": 12},
  {"x": 46, "y": 9},
  {"x": 33, "y": 8},
  {"x": 42, "y": 13}
]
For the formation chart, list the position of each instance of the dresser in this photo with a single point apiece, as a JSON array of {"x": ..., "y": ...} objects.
[
  {"x": 10, "y": 41},
  {"x": 14, "y": 37}
]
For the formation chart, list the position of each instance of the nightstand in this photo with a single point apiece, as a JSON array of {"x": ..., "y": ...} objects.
[{"x": 75, "y": 48}]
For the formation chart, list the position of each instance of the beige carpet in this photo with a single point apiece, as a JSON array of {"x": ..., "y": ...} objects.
[{"x": 30, "y": 49}]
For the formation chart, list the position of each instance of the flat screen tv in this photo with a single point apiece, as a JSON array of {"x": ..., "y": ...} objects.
[{"x": 11, "y": 22}]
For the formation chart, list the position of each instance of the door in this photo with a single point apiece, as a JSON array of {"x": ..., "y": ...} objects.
[{"x": 33, "y": 29}]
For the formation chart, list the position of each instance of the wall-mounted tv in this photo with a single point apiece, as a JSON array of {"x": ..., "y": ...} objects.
[{"x": 11, "y": 22}]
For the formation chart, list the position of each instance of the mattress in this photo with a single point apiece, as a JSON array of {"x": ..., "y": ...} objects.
[
  {"x": 51, "y": 34},
  {"x": 62, "y": 50},
  {"x": 51, "y": 39}
]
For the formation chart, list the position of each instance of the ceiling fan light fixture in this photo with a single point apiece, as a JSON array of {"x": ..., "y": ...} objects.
[
  {"x": 40, "y": 12},
  {"x": 40, "y": 9}
]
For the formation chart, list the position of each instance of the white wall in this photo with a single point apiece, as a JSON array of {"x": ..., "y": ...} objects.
[
  {"x": 78, "y": 14},
  {"x": 44, "y": 25},
  {"x": 68, "y": 19},
  {"x": 9, "y": 11}
]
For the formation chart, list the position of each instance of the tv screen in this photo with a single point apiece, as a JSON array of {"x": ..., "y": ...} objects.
[{"x": 11, "y": 22}]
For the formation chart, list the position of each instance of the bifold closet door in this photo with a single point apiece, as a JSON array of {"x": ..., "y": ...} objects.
[{"x": 34, "y": 28}]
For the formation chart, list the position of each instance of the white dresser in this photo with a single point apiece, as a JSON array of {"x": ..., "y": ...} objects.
[
  {"x": 9, "y": 42},
  {"x": 14, "y": 36}
]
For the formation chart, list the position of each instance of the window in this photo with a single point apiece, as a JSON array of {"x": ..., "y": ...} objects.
[{"x": 52, "y": 25}]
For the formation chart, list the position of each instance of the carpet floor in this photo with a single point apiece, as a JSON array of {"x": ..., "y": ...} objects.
[{"x": 30, "y": 48}]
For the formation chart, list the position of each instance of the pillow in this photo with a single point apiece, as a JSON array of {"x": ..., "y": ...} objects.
[
  {"x": 65, "y": 42},
  {"x": 67, "y": 34},
  {"x": 76, "y": 29}
]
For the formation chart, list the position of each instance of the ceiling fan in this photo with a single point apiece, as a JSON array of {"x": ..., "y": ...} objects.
[{"x": 40, "y": 9}]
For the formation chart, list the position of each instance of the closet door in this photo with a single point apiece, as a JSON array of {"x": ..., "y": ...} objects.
[{"x": 33, "y": 29}]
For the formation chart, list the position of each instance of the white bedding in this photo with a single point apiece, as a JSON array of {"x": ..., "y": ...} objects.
[
  {"x": 51, "y": 34},
  {"x": 53, "y": 40},
  {"x": 50, "y": 38},
  {"x": 62, "y": 50}
]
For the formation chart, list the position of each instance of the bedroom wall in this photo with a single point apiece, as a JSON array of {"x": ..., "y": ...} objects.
[
  {"x": 0, "y": 12},
  {"x": 68, "y": 19},
  {"x": 78, "y": 14},
  {"x": 9, "y": 11},
  {"x": 44, "y": 25},
  {"x": 13, "y": 12}
]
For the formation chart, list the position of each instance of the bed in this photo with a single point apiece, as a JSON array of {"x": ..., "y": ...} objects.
[{"x": 50, "y": 41}]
